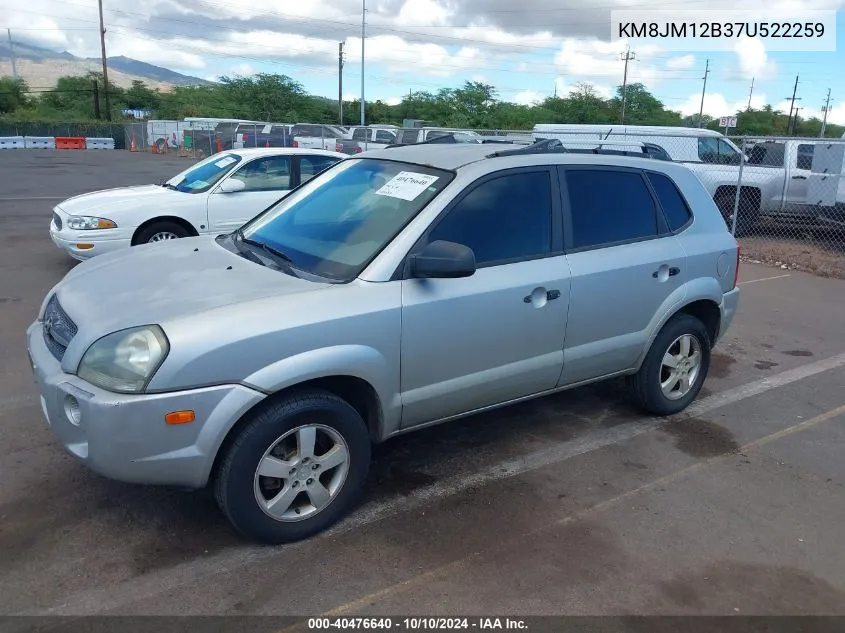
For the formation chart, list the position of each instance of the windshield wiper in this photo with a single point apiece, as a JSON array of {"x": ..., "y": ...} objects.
[
  {"x": 265, "y": 247},
  {"x": 167, "y": 185},
  {"x": 245, "y": 251},
  {"x": 277, "y": 254}
]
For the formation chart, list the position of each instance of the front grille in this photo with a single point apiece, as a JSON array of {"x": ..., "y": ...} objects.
[
  {"x": 58, "y": 328},
  {"x": 57, "y": 221}
]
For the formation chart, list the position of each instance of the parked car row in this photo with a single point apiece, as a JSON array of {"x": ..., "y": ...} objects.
[{"x": 322, "y": 303}]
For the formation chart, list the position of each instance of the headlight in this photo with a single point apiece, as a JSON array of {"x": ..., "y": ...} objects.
[
  {"x": 125, "y": 361},
  {"x": 88, "y": 223}
]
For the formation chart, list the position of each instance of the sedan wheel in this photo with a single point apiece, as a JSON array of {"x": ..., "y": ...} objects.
[{"x": 162, "y": 236}]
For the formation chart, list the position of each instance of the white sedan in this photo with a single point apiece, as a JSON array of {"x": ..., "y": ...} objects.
[{"x": 215, "y": 195}]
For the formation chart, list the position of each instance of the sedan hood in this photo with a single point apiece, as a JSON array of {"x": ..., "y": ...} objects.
[
  {"x": 153, "y": 283},
  {"x": 109, "y": 201}
]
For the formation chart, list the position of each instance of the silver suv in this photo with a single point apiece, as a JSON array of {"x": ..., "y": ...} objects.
[{"x": 396, "y": 290}]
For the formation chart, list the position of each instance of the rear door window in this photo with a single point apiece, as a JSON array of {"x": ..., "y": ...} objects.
[{"x": 609, "y": 206}]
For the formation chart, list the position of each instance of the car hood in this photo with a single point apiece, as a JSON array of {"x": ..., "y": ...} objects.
[
  {"x": 113, "y": 200},
  {"x": 155, "y": 283}
]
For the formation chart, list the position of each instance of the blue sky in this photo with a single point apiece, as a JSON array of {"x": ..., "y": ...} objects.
[{"x": 527, "y": 51}]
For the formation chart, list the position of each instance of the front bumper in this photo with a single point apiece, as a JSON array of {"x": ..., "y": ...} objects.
[
  {"x": 97, "y": 242},
  {"x": 124, "y": 437},
  {"x": 730, "y": 301}
]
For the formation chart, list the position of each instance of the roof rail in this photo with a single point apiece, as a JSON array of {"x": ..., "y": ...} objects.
[{"x": 545, "y": 146}]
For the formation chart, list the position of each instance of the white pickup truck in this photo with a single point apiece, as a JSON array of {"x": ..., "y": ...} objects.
[
  {"x": 361, "y": 138},
  {"x": 779, "y": 180}
]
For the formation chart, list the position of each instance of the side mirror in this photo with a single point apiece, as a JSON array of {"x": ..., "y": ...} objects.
[
  {"x": 443, "y": 260},
  {"x": 231, "y": 185}
]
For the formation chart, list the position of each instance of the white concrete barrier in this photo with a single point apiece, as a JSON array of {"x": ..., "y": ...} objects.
[
  {"x": 11, "y": 142},
  {"x": 39, "y": 142},
  {"x": 99, "y": 143}
]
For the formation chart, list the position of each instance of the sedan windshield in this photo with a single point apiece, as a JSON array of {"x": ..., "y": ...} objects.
[
  {"x": 205, "y": 174},
  {"x": 340, "y": 220}
]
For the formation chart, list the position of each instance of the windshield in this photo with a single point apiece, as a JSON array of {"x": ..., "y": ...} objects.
[
  {"x": 340, "y": 220},
  {"x": 205, "y": 174}
]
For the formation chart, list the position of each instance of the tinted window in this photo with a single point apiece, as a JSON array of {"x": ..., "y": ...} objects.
[
  {"x": 360, "y": 134},
  {"x": 716, "y": 150},
  {"x": 266, "y": 174},
  {"x": 805, "y": 156},
  {"x": 383, "y": 136},
  {"x": 767, "y": 154},
  {"x": 674, "y": 208},
  {"x": 509, "y": 217},
  {"x": 310, "y": 166},
  {"x": 609, "y": 206},
  {"x": 408, "y": 136}
]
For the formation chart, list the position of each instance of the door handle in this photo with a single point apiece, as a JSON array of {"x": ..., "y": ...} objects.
[
  {"x": 551, "y": 295},
  {"x": 672, "y": 272},
  {"x": 799, "y": 178}
]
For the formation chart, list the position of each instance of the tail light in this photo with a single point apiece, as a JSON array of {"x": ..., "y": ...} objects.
[
  {"x": 358, "y": 150},
  {"x": 296, "y": 143},
  {"x": 736, "y": 269},
  {"x": 338, "y": 147}
]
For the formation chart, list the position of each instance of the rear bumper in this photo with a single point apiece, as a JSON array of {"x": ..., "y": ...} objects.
[{"x": 730, "y": 301}]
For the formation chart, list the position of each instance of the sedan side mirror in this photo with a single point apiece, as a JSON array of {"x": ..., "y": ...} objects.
[
  {"x": 231, "y": 185},
  {"x": 443, "y": 260}
]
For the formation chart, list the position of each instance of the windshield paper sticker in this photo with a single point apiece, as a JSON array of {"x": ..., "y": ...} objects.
[
  {"x": 224, "y": 162},
  {"x": 406, "y": 185}
]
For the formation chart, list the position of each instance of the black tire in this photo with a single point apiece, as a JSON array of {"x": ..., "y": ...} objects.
[
  {"x": 148, "y": 232},
  {"x": 235, "y": 478},
  {"x": 748, "y": 212},
  {"x": 645, "y": 384}
]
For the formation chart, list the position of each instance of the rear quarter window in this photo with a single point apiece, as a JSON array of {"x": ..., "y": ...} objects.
[{"x": 675, "y": 208}]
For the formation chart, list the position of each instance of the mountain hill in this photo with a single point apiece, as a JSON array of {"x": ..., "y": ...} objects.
[{"x": 42, "y": 67}]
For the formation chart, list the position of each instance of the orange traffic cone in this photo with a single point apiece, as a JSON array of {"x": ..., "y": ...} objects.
[
  {"x": 133, "y": 146},
  {"x": 267, "y": 143}
]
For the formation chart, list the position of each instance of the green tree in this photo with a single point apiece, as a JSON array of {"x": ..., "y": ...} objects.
[
  {"x": 139, "y": 96},
  {"x": 13, "y": 94}
]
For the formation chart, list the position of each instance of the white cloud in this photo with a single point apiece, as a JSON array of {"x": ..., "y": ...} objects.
[
  {"x": 528, "y": 97},
  {"x": 393, "y": 101},
  {"x": 597, "y": 59},
  {"x": 351, "y": 97},
  {"x": 243, "y": 70},
  {"x": 837, "y": 114},
  {"x": 681, "y": 63},
  {"x": 716, "y": 105},
  {"x": 753, "y": 60}
]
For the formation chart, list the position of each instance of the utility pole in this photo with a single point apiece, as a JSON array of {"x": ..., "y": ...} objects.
[
  {"x": 363, "y": 36},
  {"x": 825, "y": 109},
  {"x": 96, "y": 92},
  {"x": 751, "y": 92},
  {"x": 795, "y": 121},
  {"x": 105, "y": 65},
  {"x": 340, "y": 81},
  {"x": 626, "y": 57},
  {"x": 791, "y": 106},
  {"x": 703, "y": 89},
  {"x": 12, "y": 54}
]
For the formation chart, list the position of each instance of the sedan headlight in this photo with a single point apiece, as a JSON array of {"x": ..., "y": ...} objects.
[
  {"x": 89, "y": 223},
  {"x": 125, "y": 361}
]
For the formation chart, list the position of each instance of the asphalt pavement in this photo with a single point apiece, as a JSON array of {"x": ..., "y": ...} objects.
[{"x": 574, "y": 504}]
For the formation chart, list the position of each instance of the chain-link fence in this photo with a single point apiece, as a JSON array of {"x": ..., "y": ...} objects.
[{"x": 785, "y": 200}]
